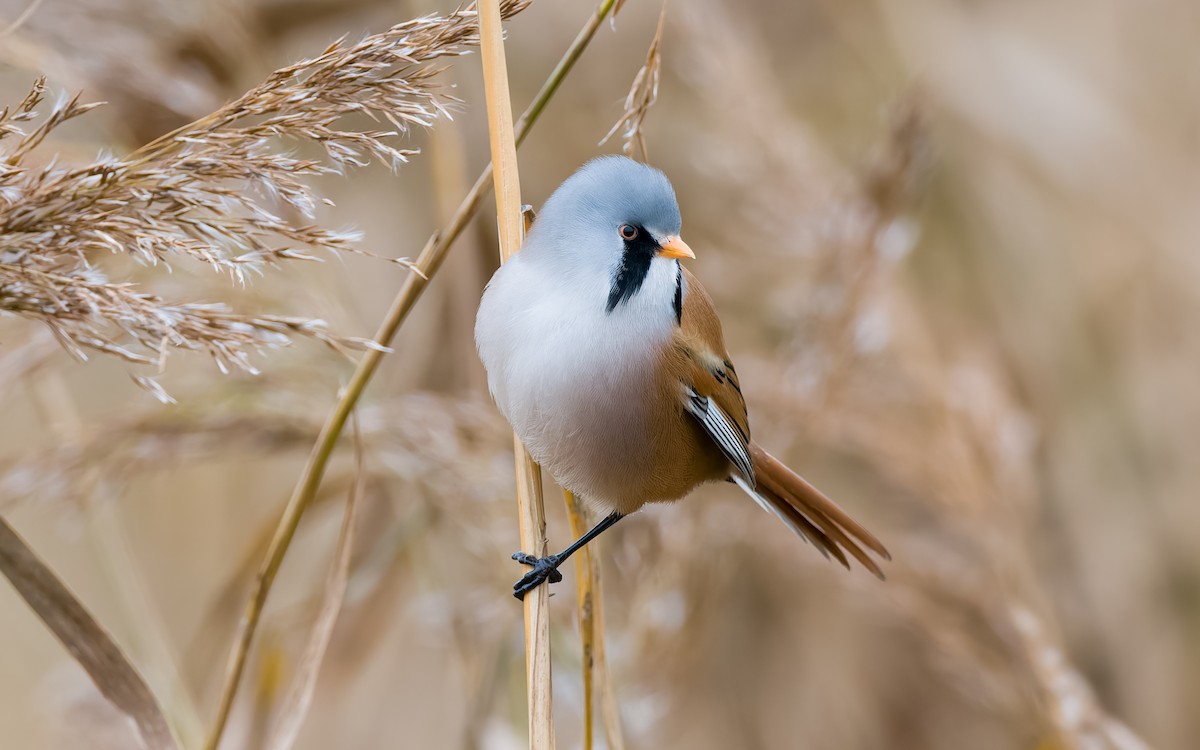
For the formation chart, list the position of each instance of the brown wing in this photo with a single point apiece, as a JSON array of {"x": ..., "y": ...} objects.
[
  {"x": 711, "y": 389},
  {"x": 714, "y": 397}
]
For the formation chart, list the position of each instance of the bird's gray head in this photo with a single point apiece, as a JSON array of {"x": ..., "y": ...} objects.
[{"x": 615, "y": 221}]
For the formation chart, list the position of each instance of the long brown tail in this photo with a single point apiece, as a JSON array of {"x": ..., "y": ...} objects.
[{"x": 810, "y": 514}]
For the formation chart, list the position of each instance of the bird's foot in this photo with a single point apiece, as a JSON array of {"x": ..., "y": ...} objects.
[{"x": 544, "y": 569}]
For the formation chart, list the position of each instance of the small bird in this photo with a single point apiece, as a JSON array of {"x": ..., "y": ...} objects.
[{"x": 607, "y": 358}]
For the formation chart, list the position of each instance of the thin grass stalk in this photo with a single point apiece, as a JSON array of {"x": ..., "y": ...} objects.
[
  {"x": 531, "y": 512},
  {"x": 26, "y": 14},
  {"x": 590, "y": 602},
  {"x": 609, "y": 711},
  {"x": 585, "y": 596},
  {"x": 594, "y": 658},
  {"x": 642, "y": 96},
  {"x": 426, "y": 265},
  {"x": 300, "y": 694}
]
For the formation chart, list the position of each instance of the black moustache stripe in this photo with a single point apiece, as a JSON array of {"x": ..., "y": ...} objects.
[
  {"x": 635, "y": 265},
  {"x": 678, "y": 294}
]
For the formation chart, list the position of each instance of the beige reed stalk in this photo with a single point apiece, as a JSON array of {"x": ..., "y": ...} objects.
[
  {"x": 585, "y": 593},
  {"x": 530, "y": 509},
  {"x": 594, "y": 661}
]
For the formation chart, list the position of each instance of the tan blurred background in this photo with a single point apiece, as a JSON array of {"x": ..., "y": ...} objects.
[{"x": 954, "y": 247}]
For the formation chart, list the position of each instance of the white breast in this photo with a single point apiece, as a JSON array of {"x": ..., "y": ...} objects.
[{"x": 571, "y": 378}]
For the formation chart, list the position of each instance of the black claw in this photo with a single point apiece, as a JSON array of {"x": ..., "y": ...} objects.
[
  {"x": 524, "y": 558},
  {"x": 544, "y": 569}
]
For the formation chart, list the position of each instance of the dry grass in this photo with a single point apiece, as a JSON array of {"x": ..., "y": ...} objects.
[
  {"x": 219, "y": 191},
  {"x": 952, "y": 257},
  {"x": 643, "y": 93}
]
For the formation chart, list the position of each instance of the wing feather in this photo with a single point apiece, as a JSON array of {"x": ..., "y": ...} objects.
[
  {"x": 722, "y": 431},
  {"x": 710, "y": 391}
]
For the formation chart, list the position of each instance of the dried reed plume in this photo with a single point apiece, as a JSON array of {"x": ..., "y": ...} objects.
[
  {"x": 643, "y": 93},
  {"x": 215, "y": 191}
]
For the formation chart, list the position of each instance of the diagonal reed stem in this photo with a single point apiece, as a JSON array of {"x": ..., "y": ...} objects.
[{"x": 427, "y": 264}]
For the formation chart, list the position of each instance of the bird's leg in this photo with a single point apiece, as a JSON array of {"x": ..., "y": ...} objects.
[{"x": 546, "y": 568}]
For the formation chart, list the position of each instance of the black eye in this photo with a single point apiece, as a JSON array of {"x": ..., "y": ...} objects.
[{"x": 628, "y": 232}]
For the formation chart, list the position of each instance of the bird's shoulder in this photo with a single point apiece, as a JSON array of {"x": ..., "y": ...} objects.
[
  {"x": 700, "y": 337},
  {"x": 700, "y": 360}
]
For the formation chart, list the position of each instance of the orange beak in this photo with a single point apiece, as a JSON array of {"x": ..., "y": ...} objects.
[{"x": 675, "y": 247}]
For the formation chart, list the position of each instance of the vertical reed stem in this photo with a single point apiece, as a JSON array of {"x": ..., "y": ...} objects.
[
  {"x": 585, "y": 594},
  {"x": 590, "y": 601},
  {"x": 531, "y": 513}
]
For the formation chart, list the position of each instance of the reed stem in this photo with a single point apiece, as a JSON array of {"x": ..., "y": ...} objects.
[
  {"x": 585, "y": 598},
  {"x": 531, "y": 512}
]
